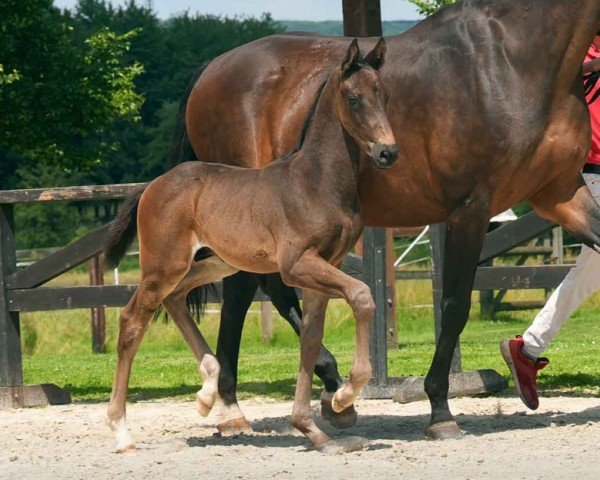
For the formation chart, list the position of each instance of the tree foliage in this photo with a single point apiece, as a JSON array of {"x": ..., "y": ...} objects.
[
  {"x": 90, "y": 96},
  {"x": 58, "y": 99},
  {"x": 427, "y": 7}
]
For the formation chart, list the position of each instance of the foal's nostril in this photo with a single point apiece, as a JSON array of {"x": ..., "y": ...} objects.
[
  {"x": 389, "y": 154},
  {"x": 384, "y": 155}
]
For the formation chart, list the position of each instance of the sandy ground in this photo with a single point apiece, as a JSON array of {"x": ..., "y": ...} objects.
[{"x": 560, "y": 440}]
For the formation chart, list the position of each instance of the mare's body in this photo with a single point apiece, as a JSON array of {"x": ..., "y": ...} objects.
[{"x": 486, "y": 99}]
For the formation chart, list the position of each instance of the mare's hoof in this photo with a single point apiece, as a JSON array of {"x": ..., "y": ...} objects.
[
  {"x": 236, "y": 426},
  {"x": 444, "y": 431},
  {"x": 129, "y": 448},
  {"x": 344, "y": 419},
  {"x": 345, "y": 445}
]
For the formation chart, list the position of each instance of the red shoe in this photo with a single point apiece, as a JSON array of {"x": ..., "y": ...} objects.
[{"x": 523, "y": 369}]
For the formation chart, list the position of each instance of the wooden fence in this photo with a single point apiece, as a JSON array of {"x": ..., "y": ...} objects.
[{"x": 22, "y": 290}]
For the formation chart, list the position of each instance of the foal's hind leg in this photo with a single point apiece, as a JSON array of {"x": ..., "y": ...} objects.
[
  {"x": 205, "y": 271},
  {"x": 133, "y": 325}
]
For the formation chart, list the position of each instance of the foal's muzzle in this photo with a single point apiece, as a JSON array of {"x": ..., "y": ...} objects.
[{"x": 384, "y": 156}]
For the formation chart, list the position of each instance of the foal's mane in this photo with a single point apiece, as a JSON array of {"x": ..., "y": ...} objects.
[{"x": 307, "y": 123}]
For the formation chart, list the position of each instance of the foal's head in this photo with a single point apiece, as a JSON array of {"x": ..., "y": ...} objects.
[{"x": 361, "y": 100}]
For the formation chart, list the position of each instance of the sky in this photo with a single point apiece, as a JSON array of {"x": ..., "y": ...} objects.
[{"x": 280, "y": 9}]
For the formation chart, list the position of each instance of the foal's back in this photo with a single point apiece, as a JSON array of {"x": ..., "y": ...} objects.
[{"x": 233, "y": 211}]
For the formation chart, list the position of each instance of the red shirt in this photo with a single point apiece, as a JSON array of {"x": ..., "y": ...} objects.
[{"x": 594, "y": 156}]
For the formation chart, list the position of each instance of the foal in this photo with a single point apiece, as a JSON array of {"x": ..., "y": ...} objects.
[{"x": 300, "y": 215}]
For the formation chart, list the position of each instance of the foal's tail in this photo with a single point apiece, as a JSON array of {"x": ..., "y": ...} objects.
[{"x": 122, "y": 231}]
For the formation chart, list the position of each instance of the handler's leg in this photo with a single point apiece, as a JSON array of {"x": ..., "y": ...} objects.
[
  {"x": 465, "y": 232},
  {"x": 522, "y": 354},
  {"x": 580, "y": 283}
]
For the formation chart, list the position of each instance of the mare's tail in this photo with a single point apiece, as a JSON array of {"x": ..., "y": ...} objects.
[
  {"x": 181, "y": 149},
  {"x": 122, "y": 231}
]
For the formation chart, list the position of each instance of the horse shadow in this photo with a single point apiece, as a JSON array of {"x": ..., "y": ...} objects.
[{"x": 277, "y": 431}]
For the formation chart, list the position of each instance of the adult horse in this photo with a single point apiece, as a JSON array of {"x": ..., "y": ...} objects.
[{"x": 487, "y": 106}]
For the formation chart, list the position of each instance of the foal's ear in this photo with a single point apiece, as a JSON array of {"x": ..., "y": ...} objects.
[
  {"x": 376, "y": 57},
  {"x": 352, "y": 57}
]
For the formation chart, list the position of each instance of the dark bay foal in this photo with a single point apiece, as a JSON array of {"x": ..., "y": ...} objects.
[{"x": 298, "y": 216}]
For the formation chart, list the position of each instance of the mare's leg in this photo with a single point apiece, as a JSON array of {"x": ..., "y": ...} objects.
[
  {"x": 286, "y": 302},
  {"x": 202, "y": 272},
  {"x": 313, "y": 273},
  {"x": 465, "y": 232},
  {"x": 238, "y": 292}
]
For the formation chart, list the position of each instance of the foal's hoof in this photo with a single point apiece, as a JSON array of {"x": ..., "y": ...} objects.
[
  {"x": 205, "y": 402},
  {"x": 345, "y": 445},
  {"x": 344, "y": 419},
  {"x": 444, "y": 431},
  {"x": 129, "y": 448},
  {"x": 235, "y": 426}
]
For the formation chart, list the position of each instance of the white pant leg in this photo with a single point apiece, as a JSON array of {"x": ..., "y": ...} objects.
[{"x": 580, "y": 283}]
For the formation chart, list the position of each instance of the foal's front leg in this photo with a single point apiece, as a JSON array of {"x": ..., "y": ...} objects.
[
  {"x": 313, "y": 273},
  {"x": 286, "y": 302}
]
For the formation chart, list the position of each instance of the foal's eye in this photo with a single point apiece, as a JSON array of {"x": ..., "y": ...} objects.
[{"x": 353, "y": 100}]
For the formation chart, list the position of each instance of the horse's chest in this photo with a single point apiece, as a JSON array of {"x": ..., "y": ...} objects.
[{"x": 336, "y": 238}]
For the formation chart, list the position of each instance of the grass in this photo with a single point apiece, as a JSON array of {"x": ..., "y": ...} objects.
[{"x": 57, "y": 348}]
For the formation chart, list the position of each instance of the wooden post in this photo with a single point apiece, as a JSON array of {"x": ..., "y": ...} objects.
[
  {"x": 390, "y": 285},
  {"x": 362, "y": 18},
  {"x": 266, "y": 321},
  {"x": 98, "y": 323},
  {"x": 375, "y": 275},
  {"x": 437, "y": 241},
  {"x": 11, "y": 366},
  {"x": 487, "y": 301}
]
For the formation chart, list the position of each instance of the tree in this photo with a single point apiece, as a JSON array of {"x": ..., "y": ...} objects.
[
  {"x": 427, "y": 7},
  {"x": 58, "y": 98},
  {"x": 171, "y": 52}
]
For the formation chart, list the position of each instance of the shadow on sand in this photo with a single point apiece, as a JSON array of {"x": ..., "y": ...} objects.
[{"x": 277, "y": 432}]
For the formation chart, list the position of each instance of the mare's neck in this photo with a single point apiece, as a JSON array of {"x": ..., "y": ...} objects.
[{"x": 329, "y": 158}]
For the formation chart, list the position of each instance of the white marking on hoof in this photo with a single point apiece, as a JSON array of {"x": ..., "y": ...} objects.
[
  {"x": 343, "y": 398},
  {"x": 123, "y": 441},
  {"x": 207, "y": 396},
  {"x": 230, "y": 412}
]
